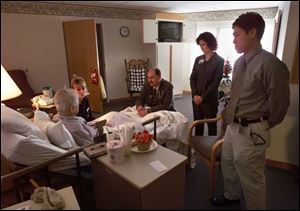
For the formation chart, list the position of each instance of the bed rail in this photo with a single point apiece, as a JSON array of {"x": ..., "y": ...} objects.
[{"x": 154, "y": 119}]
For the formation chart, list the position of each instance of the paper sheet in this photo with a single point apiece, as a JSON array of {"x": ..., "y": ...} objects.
[{"x": 158, "y": 166}]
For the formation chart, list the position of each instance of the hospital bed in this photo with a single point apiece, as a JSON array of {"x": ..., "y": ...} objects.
[{"x": 171, "y": 127}]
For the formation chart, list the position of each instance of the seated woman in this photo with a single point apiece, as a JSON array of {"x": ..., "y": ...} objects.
[
  {"x": 67, "y": 106},
  {"x": 79, "y": 85}
]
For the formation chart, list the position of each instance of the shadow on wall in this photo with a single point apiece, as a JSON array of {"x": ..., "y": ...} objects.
[
  {"x": 293, "y": 142},
  {"x": 293, "y": 133}
]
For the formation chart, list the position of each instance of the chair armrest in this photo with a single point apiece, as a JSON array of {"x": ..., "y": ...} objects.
[
  {"x": 202, "y": 121},
  {"x": 214, "y": 148}
]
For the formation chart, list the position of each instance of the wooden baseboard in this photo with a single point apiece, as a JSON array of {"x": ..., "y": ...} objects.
[
  {"x": 282, "y": 165},
  {"x": 118, "y": 100},
  {"x": 186, "y": 92},
  {"x": 123, "y": 99}
]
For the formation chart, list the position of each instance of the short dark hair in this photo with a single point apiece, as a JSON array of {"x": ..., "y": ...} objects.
[
  {"x": 210, "y": 40},
  {"x": 250, "y": 20},
  {"x": 156, "y": 71}
]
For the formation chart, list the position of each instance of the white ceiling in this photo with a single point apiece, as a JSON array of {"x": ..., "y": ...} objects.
[{"x": 178, "y": 6}]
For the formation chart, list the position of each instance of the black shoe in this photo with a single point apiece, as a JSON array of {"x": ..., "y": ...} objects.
[{"x": 220, "y": 201}]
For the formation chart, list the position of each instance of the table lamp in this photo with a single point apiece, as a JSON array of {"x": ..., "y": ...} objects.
[{"x": 9, "y": 88}]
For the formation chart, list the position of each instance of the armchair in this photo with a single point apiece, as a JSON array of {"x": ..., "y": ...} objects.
[
  {"x": 208, "y": 149},
  {"x": 136, "y": 75}
]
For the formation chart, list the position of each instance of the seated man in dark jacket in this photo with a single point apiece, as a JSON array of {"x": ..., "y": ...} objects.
[{"x": 157, "y": 94}]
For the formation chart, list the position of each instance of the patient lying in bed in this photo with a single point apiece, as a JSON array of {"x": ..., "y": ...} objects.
[{"x": 30, "y": 143}]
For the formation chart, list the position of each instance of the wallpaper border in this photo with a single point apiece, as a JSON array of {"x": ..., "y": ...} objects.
[
  {"x": 59, "y": 9},
  {"x": 266, "y": 13},
  {"x": 44, "y": 8}
]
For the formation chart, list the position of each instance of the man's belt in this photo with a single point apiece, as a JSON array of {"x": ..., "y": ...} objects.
[{"x": 244, "y": 122}]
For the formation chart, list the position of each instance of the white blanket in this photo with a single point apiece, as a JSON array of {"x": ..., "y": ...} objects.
[{"x": 171, "y": 125}]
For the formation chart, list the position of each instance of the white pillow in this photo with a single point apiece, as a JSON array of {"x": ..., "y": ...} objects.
[
  {"x": 9, "y": 141},
  {"x": 56, "y": 132},
  {"x": 15, "y": 122},
  {"x": 31, "y": 150}
]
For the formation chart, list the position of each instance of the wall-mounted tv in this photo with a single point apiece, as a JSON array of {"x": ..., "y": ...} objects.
[{"x": 169, "y": 31}]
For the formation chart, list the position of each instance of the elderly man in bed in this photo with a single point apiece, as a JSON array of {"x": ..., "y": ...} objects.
[
  {"x": 157, "y": 94},
  {"x": 67, "y": 106}
]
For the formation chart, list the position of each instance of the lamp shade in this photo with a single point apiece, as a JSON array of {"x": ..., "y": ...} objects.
[{"x": 9, "y": 88}]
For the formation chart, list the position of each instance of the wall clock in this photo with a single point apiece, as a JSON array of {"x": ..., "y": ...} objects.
[{"x": 124, "y": 31}]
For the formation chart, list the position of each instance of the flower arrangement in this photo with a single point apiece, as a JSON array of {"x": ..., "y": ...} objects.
[
  {"x": 227, "y": 67},
  {"x": 143, "y": 140}
]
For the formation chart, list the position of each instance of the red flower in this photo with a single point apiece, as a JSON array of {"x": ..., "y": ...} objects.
[
  {"x": 143, "y": 137},
  {"x": 227, "y": 67}
]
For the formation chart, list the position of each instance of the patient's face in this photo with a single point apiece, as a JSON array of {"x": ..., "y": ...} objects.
[{"x": 153, "y": 79}]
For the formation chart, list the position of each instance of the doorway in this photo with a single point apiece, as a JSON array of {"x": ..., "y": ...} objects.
[
  {"x": 82, "y": 57},
  {"x": 100, "y": 46}
]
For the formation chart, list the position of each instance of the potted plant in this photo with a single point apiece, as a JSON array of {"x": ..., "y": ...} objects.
[{"x": 143, "y": 140}]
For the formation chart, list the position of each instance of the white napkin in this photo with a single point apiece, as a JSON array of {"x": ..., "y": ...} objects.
[
  {"x": 49, "y": 197},
  {"x": 126, "y": 132}
]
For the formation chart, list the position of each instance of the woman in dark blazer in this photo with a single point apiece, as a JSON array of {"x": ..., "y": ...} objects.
[{"x": 204, "y": 80}]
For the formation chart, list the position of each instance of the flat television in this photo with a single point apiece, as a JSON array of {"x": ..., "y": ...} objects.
[{"x": 169, "y": 31}]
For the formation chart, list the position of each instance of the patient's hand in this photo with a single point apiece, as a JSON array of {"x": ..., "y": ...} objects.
[{"x": 143, "y": 112}]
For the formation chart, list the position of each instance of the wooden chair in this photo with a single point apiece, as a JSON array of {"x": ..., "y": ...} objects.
[
  {"x": 136, "y": 75},
  {"x": 208, "y": 149}
]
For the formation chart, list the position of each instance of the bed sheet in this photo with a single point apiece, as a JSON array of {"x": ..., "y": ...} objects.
[
  {"x": 32, "y": 150},
  {"x": 170, "y": 126}
]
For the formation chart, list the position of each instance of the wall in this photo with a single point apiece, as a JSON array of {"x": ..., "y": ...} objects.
[
  {"x": 117, "y": 48},
  {"x": 285, "y": 137},
  {"x": 36, "y": 43}
]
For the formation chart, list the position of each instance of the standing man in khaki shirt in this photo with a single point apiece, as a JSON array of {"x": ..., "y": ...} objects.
[{"x": 259, "y": 100}]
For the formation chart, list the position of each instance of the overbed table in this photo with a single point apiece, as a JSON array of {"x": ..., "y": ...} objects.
[{"x": 135, "y": 184}]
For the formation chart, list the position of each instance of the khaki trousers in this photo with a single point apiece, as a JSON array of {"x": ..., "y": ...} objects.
[{"x": 243, "y": 163}]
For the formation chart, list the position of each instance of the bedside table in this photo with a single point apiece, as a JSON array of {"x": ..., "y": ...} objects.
[
  {"x": 28, "y": 112},
  {"x": 49, "y": 109}
]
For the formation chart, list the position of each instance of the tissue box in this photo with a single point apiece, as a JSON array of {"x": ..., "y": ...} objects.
[{"x": 95, "y": 150}]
